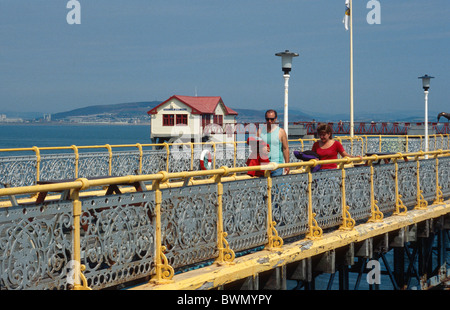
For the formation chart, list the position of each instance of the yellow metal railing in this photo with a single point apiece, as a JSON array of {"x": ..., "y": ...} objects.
[
  {"x": 163, "y": 271},
  {"x": 359, "y": 145}
]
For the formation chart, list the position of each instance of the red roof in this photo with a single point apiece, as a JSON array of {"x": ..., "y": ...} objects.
[{"x": 199, "y": 105}]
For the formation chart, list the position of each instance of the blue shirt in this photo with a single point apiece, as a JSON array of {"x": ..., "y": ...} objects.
[{"x": 273, "y": 139}]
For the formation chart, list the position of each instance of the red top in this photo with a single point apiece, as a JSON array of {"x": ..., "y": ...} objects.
[{"x": 329, "y": 153}]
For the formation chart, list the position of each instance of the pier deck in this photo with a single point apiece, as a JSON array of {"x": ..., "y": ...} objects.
[{"x": 363, "y": 241}]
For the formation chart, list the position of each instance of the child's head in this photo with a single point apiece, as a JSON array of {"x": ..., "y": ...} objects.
[{"x": 258, "y": 146}]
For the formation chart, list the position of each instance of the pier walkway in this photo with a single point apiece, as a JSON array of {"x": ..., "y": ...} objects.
[{"x": 222, "y": 229}]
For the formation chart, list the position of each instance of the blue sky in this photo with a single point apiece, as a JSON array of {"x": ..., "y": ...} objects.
[{"x": 141, "y": 50}]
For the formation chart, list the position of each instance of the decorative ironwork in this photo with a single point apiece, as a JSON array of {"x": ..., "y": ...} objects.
[
  {"x": 18, "y": 170},
  {"x": 189, "y": 228},
  {"x": 26, "y": 170},
  {"x": 245, "y": 213},
  {"x": 35, "y": 246},
  {"x": 326, "y": 204},
  {"x": 407, "y": 182},
  {"x": 290, "y": 204},
  {"x": 154, "y": 161},
  {"x": 93, "y": 165},
  {"x": 357, "y": 192},
  {"x": 384, "y": 187},
  {"x": 57, "y": 167},
  {"x": 117, "y": 238},
  {"x": 427, "y": 172}
]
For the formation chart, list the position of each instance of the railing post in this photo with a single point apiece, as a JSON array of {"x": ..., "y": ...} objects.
[
  {"x": 315, "y": 232},
  {"x": 226, "y": 255},
  {"x": 400, "y": 208},
  {"x": 77, "y": 159},
  {"x": 234, "y": 153},
  {"x": 376, "y": 214},
  {"x": 80, "y": 282},
  {"x": 164, "y": 272},
  {"x": 439, "y": 195},
  {"x": 274, "y": 241},
  {"x": 214, "y": 155},
  {"x": 108, "y": 147},
  {"x": 347, "y": 222},
  {"x": 168, "y": 155},
  {"x": 192, "y": 155},
  {"x": 38, "y": 162},
  {"x": 421, "y": 202},
  {"x": 141, "y": 155}
]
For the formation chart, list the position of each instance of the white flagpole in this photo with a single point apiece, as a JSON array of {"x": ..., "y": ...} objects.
[{"x": 351, "y": 69}]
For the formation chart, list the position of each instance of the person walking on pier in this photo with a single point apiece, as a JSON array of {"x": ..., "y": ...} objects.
[
  {"x": 259, "y": 155},
  {"x": 327, "y": 148},
  {"x": 276, "y": 138}
]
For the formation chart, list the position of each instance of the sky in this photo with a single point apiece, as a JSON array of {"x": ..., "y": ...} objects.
[{"x": 146, "y": 50}]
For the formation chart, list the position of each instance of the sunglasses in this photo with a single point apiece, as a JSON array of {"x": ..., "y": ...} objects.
[{"x": 270, "y": 118}]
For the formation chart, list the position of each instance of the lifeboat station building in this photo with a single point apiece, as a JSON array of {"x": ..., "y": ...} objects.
[{"x": 192, "y": 119}]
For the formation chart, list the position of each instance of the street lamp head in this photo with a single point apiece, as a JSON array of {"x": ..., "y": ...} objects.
[
  {"x": 286, "y": 60},
  {"x": 426, "y": 81}
]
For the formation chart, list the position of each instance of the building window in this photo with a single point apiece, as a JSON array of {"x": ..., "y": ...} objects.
[
  {"x": 218, "y": 119},
  {"x": 168, "y": 119},
  {"x": 181, "y": 119},
  {"x": 206, "y": 119}
]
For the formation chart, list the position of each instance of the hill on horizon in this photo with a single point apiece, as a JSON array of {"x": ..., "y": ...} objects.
[
  {"x": 123, "y": 109},
  {"x": 133, "y": 109},
  {"x": 136, "y": 109}
]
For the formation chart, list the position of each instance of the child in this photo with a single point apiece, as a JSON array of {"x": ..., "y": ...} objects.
[{"x": 259, "y": 155}]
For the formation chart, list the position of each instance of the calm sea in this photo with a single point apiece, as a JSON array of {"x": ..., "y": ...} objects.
[{"x": 14, "y": 136}]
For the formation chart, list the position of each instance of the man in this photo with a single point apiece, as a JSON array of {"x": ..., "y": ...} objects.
[{"x": 276, "y": 138}]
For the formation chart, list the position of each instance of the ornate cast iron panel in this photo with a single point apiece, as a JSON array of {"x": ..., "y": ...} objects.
[
  {"x": 93, "y": 165},
  {"x": 35, "y": 246},
  {"x": 154, "y": 161},
  {"x": 18, "y": 170},
  {"x": 290, "y": 204},
  {"x": 357, "y": 192},
  {"x": 117, "y": 239},
  {"x": 189, "y": 224},
  {"x": 444, "y": 175},
  {"x": 326, "y": 197},
  {"x": 245, "y": 213},
  {"x": 384, "y": 187},
  {"x": 57, "y": 167},
  {"x": 407, "y": 182},
  {"x": 428, "y": 178}
]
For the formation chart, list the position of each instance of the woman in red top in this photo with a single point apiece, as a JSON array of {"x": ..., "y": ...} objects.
[{"x": 327, "y": 148}]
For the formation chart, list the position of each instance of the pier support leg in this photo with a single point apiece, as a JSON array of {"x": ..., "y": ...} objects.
[
  {"x": 277, "y": 279},
  {"x": 399, "y": 267},
  {"x": 343, "y": 278}
]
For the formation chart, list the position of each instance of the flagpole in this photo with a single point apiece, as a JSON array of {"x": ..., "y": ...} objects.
[{"x": 351, "y": 68}]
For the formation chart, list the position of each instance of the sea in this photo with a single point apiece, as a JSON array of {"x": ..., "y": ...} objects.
[{"x": 46, "y": 135}]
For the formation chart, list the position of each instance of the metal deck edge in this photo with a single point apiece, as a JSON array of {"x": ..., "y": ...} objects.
[{"x": 215, "y": 275}]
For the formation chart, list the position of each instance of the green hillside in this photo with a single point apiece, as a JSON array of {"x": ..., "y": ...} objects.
[{"x": 120, "y": 109}]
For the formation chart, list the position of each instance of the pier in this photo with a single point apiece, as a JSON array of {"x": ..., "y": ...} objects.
[{"x": 145, "y": 218}]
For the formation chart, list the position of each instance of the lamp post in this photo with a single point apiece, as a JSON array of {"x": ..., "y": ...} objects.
[
  {"x": 286, "y": 66},
  {"x": 426, "y": 85}
]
